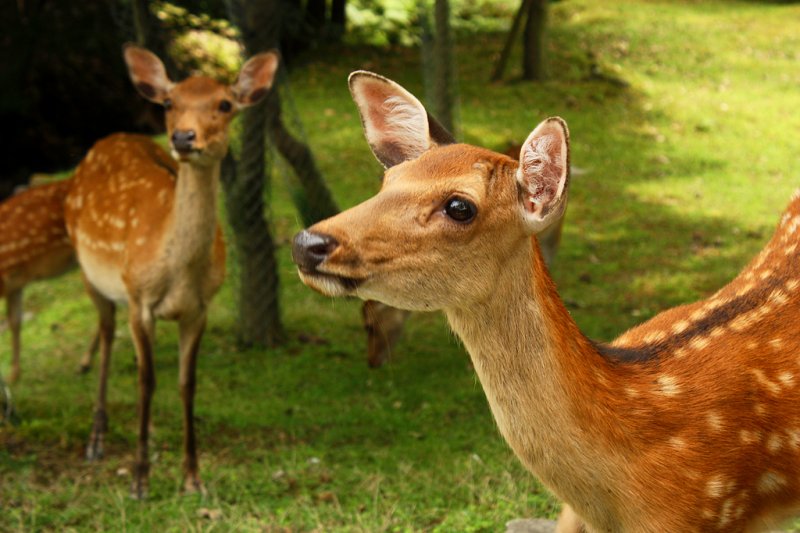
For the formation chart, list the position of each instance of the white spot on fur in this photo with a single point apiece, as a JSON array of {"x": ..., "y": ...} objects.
[
  {"x": 680, "y": 326},
  {"x": 668, "y": 385},
  {"x": 714, "y": 420},
  {"x": 749, "y": 437},
  {"x": 774, "y": 443},
  {"x": 677, "y": 443},
  {"x": 793, "y": 438},
  {"x": 778, "y": 297},
  {"x": 714, "y": 487},
  {"x": 786, "y": 379},
  {"x": 765, "y": 382},
  {"x": 654, "y": 336},
  {"x": 771, "y": 482},
  {"x": 698, "y": 343}
]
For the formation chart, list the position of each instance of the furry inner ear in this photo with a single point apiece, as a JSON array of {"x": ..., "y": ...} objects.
[
  {"x": 147, "y": 73},
  {"x": 543, "y": 174},
  {"x": 255, "y": 78},
  {"x": 395, "y": 123}
]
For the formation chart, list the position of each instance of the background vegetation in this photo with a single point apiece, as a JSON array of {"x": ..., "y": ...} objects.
[{"x": 683, "y": 114}]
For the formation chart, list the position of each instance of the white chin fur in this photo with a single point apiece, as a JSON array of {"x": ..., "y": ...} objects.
[{"x": 325, "y": 284}]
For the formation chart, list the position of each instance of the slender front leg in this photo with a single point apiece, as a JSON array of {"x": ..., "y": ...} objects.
[
  {"x": 86, "y": 360},
  {"x": 191, "y": 331},
  {"x": 14, "y": 313},
  {"x": 106, "y": 311},
  {"x": 142, "y": 327}
]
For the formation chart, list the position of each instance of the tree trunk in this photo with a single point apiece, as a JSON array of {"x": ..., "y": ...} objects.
[
  {"x": 314, "y": 201},
  {"x": 500, "y": 66},
  {"x": 315, "y": 14},
  {"x": 150, "y": 36},
  {"x": 338, "y": 18},
  {"x": 259, "y": 304},
  {"x": 533, "y": 52},
  {"x": 443, "y": 85}
]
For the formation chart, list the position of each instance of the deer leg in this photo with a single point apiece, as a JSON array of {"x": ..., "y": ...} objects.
[
  {"x": 384, "y": 325},
  {"x": 191, "y": 331},
  {"x": 142, "y": 328},
  {"x": 14, "y": 313},
  {"x": 106, "y": 311},
  {"x": 86, "y": 360}
]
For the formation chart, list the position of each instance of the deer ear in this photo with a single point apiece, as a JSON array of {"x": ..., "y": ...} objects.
[
  {"x": 255, "y": 78},
  {"x": 147, "y": 73},
  {"x": 543, "y": 174},
  {"x": 395, "y": 123}
]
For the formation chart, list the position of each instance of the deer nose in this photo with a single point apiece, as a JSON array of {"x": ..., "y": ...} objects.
[
  {"x": 310, "y": 249},
  {"x": 183, "y": 140}
]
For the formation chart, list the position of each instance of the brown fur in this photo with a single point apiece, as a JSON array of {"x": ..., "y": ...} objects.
[
  {"x": 33, "y": 246},
  {"x": 699, "y": 432}
]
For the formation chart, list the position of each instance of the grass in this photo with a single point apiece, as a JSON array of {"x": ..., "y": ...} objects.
[{"x": 688, "y": 168}]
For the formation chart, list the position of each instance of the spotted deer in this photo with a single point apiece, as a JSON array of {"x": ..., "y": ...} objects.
[
  {"x": 145, "y": 230},
  {"x": 33, "y": 246},
  {"x": 383, "y": 323},
  {"x": 688, "y": 422}
]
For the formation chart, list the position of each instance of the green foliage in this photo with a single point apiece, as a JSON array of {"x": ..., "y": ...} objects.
[
  {"x": 201, "y": 43},
  {"x": 396, "y": 22},
  {"x": 688, "y": 168}
]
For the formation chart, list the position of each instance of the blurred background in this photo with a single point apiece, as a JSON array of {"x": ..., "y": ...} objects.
[{"x": 684, "y": 122}]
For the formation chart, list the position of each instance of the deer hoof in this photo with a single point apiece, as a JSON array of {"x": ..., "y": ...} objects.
[
  {"x": 139, "y": 489},
  {"x": 94, "y": 450},
  {"x": 193, "y": 485}
]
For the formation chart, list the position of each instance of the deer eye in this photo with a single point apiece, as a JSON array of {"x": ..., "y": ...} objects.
[
  {"x": 167, "y": 103},
  {"x": 225, "y": 106},
  {"x": 460, "y": 210}
]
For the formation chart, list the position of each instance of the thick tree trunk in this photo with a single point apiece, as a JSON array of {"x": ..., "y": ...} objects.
[
  {"x": 533, "y": 52},
  {"x": 259, "y": 305}
]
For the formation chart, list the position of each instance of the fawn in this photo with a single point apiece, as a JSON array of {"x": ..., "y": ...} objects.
[
  {"x": 145, "y": 231},
  {"x": 688, "y": 422},
  {"x": 33, "y": 246}
]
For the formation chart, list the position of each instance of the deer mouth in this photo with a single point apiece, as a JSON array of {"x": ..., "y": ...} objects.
[{"x": 329, "y": 284}]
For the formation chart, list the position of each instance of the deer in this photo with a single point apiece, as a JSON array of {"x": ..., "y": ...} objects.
[
  {"x": 383, "y": 323},
  {"x": 33, "y": 246},
  {"x": 144, "y": 226},
  {"x": 687, "y": 422}
]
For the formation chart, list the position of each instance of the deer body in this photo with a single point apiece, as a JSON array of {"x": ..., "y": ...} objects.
[
  {"x": 145, "y": 232},
  {"x": 33, "y": 246},
  {"x": 688, "y": 422},
  {"x": 143, "y": 222}
]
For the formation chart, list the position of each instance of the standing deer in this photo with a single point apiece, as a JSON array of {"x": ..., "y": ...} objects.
[
  {"x": 688, "y": 422},
  {"x": 145, "y": 231},
  {"x": 384, "y": 324},
  {"x": 33, "y": 246}
]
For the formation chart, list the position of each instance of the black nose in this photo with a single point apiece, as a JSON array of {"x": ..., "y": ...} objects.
[
  {"x": 182, "y": 140},
  {"x": 310, "y": 249}
]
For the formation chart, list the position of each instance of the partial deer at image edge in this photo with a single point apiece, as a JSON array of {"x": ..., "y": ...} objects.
[{"x": 688, "y": 422}]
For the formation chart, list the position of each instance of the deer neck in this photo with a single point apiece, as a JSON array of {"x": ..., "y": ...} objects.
[
  {"x": 531, "y": 359},
  {"x": 194, "y": 217}
]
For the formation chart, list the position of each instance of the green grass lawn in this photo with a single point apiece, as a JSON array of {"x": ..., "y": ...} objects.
[{"x": 688, "y": 168}]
